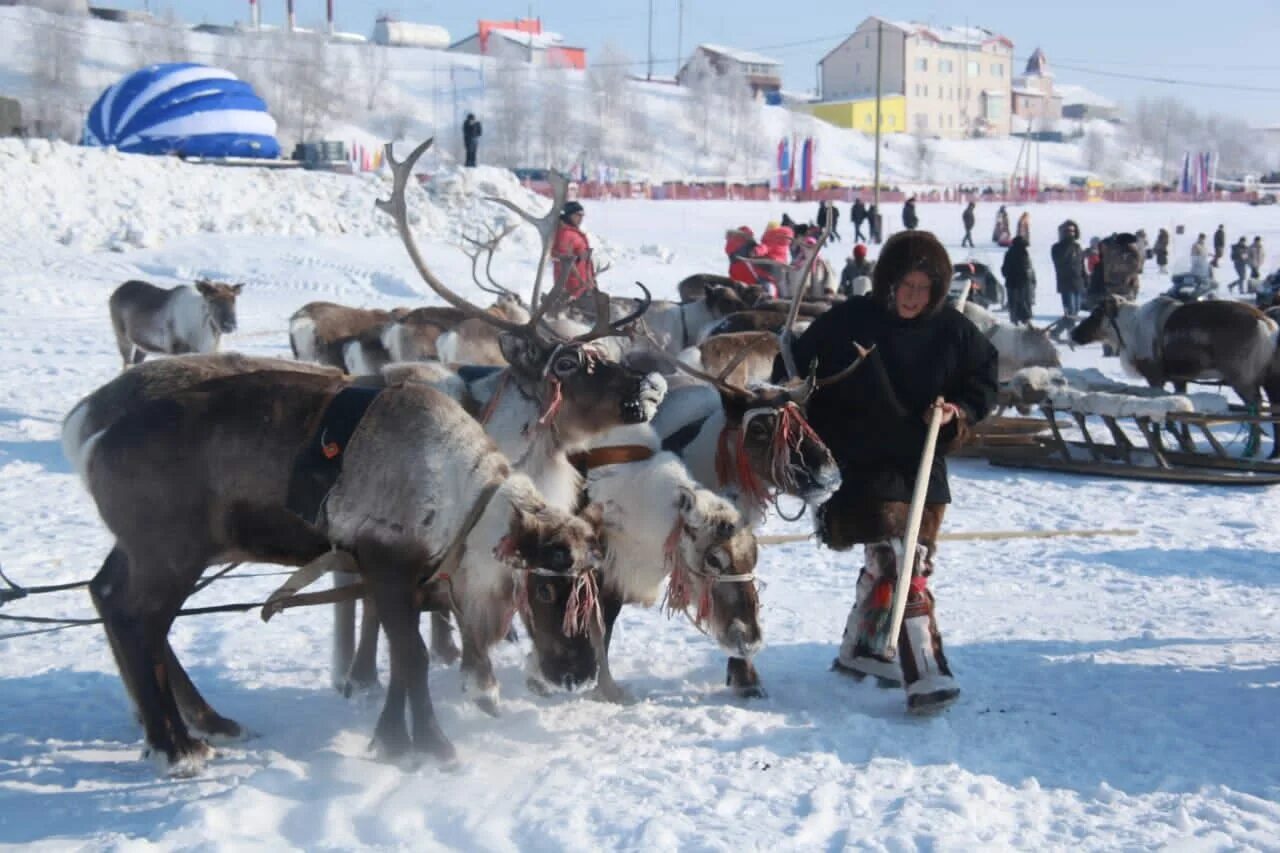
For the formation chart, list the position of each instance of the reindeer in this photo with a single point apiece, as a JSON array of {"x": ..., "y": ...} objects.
[
  {"x": 555, "y": 394},
  {"x": 751, "y": 320},
  {"x": 694, "y": 287},
  {"x": 673, "y": 327},
  {"x": 193, "y": 477},
  {"x": 1165, "y": 340},
  {"x": 182, "y": 319},
  {"x": 318, "y": 331},
  {"x": 660, "y": 524},
  {"x": 1017, "y": 346},
  {"x": 751, "y": 355}
]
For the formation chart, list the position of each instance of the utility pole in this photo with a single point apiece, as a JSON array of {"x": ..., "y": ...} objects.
[
  {"x": 875, "y": 197},
  {"x": 649, "y": 74},
  {"x": 679, "y": 34}
]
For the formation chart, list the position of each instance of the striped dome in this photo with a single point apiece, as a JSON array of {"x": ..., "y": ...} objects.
[{"x": 184, "y": 109}]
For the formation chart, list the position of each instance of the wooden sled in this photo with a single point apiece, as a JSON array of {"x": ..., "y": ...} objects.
[{"x": 1039, "y": 443}]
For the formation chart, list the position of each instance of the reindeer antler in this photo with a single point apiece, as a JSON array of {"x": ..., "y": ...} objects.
[
  {"x": 784, "y": 337},
  {"x": 488, "y": 247},
  {"x": 546, "y": 225},
  {"x": 397, "y": 208}
]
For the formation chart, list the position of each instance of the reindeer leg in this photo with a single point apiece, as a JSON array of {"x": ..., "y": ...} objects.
[
  {"x": 744, "y": 679},
  {"x": 478, "y": 679},
  {"x": 363, "y": 672},
  {"x": 195, "y": 709},
  {"x": 344, "y": 635},
  {"x": 442, "y": 644},
  {"x": 392, "y": 579},
  {"x": 138, "y": 640},
  {"x": 607, "y": 689}
]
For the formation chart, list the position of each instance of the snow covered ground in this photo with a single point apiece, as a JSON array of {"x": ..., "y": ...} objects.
[{"x": 1119, "y": 693}]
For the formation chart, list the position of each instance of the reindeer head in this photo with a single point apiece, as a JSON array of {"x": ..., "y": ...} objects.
[
  {"x": 601, "y": 393},
  {"x": 556, "y": 554},
  {"x": 714, "y": 562},
  {"x": 769, "y": 447},
  {"x": 220, "y": 303},
  {"x": 723, "y": 301},
  {"x": 1100, "y": 325}
]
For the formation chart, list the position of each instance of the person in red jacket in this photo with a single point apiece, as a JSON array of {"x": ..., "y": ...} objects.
[
  {"x": 740, "y": 245},
  {"x": 571, "y": 253},
  {"x": 776, "y": 243}
]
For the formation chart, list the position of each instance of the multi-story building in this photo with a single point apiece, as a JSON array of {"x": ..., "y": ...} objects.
[{"x": 955, "y": 80}]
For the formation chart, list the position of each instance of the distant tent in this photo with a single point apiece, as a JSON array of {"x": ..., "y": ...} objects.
[{"x": 185, "y": 109}]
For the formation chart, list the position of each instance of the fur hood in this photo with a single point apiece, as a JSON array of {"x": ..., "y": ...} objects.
[{"x": 907, "y": 251}]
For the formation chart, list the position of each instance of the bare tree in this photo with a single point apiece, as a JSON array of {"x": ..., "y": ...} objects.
[
  {"x": 510, "y": 113},
  {"x": 375, "y": 71},
  {"x": 699, "y": 80},
  {"x": 1096, "y": 149},
  {"x": 922, "y": 152},
  {"x": 561, "y": 142},
  {"x": 57, "y": 101}
]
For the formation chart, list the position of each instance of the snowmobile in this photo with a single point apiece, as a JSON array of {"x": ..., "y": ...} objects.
[{"x": 1189, "y": 287}]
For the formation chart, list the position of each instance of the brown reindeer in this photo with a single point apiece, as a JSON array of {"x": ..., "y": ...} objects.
[
  {"x": 189, "y": 478},
  {"x": 149, "y": 319},
  {"x": 1165, "y": 340},
  {"x": 741, "y": 358},
  {"x": 694, "y": 287},
  {"x": 319, "y": 331}
]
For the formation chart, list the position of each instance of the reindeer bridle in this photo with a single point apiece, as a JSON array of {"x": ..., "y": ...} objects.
[{"x": 679, "y": 594}]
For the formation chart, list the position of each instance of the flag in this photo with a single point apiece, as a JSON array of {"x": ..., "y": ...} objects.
[
  {"x": 791, "y": 166},
  {"x": 784, "y": 164}
]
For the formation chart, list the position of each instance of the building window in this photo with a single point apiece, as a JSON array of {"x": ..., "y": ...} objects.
[
  {"x": 922, "y": 121},
  {"x": 926, "y": 90},
  {"x": 941, "y": 93},
  {"x": 922, "y": 64},
  {"x": 974, "y": 68},
  {"x": 868, "y": 42},
  {"x": 966, "y": 93},
  {"x": 997, "y": 68},
  {"x": 994, "y": 108},
  {"x": 946, "y": 66}
]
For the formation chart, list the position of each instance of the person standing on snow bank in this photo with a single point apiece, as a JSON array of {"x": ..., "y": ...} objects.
[
  {"x": 571, "y": 253},
  {"x": 1219, "y": 245},
  {"x": 471, "y": 131},
  {"x": 829, "y": 217},
  {"x": 1240, "y": 260},
  {"x": 875, "y": 422},
  {"x": 1024, "y": 227},
  {"x": 1256, "y": 258},
  {"x": 1000, "y": 233}
]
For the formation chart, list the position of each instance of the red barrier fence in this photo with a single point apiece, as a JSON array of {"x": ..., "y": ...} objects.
[{"x": 682, "y": 191}]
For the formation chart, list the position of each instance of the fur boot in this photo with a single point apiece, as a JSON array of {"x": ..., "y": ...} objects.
[{"x": 921, "y": 665}]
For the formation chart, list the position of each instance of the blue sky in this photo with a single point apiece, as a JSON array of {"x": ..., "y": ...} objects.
[{"x": 1224, "y": 43}]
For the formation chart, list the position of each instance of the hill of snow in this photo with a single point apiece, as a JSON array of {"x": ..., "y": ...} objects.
[{"x": 532, "y": 118}]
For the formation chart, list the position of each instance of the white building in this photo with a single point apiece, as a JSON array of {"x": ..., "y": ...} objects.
[
  {"x": 763, "y": 74},
  {"x": 956, "y": 80}
]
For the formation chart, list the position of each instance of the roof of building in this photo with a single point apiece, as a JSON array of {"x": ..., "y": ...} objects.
[
  {"x": 1038, "y": 65},
  {"x": 968, "y": 36},
  {"x": 746, "y": 57},
  {"x": 1072, "y": 94},
  {"x": 540, "y": 41}
]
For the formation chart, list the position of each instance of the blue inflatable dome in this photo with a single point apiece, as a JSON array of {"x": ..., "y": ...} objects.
[{"x": 185, "y": 109}]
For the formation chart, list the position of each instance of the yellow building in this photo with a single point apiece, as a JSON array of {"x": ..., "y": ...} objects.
[{"x": 860, "y": 113}]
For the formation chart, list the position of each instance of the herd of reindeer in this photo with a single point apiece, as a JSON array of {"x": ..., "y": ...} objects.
[{"x": 550, "y": 459}]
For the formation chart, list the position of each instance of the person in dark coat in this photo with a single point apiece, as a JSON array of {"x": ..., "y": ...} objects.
[
  {"x": 1019, "y": 279},
  {"x": 1240, "y": 260},
  {"x": 874, "y": 223},
  {"x": 1161, "y": 250},
  {"x": 968, "y": 218},
  {"x": 858, "y": 215},
  {"x": 471, "y": 131},
  {"x": 828, "y": 217},
  {"x": 909, "y": 218},
  {"x": 923, "y": 353},
  {"x": 1219, "y": 245},
  {"x": 856, "y": 267},
  {"x": 1068, "y": 268}
]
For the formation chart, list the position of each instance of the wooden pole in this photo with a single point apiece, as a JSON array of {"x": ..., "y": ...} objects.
[
  {"x": 975, "y": 535},
  {"x": 906, "y": 566}
]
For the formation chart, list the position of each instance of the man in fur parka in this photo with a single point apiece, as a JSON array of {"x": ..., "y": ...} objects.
[{"x": 875, "y": 422}]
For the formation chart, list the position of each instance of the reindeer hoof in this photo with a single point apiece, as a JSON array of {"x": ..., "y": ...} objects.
[
  {"x": 355, "y": 686},
  {"x": 488, "y": 704},
  {"x": 181, "y": 763},
  {"x": 613, "y": 694},
  {"x": 537, "y": 686},
  {"x": 751, "y": 691},
  {"x": 447, "y": 655}
]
